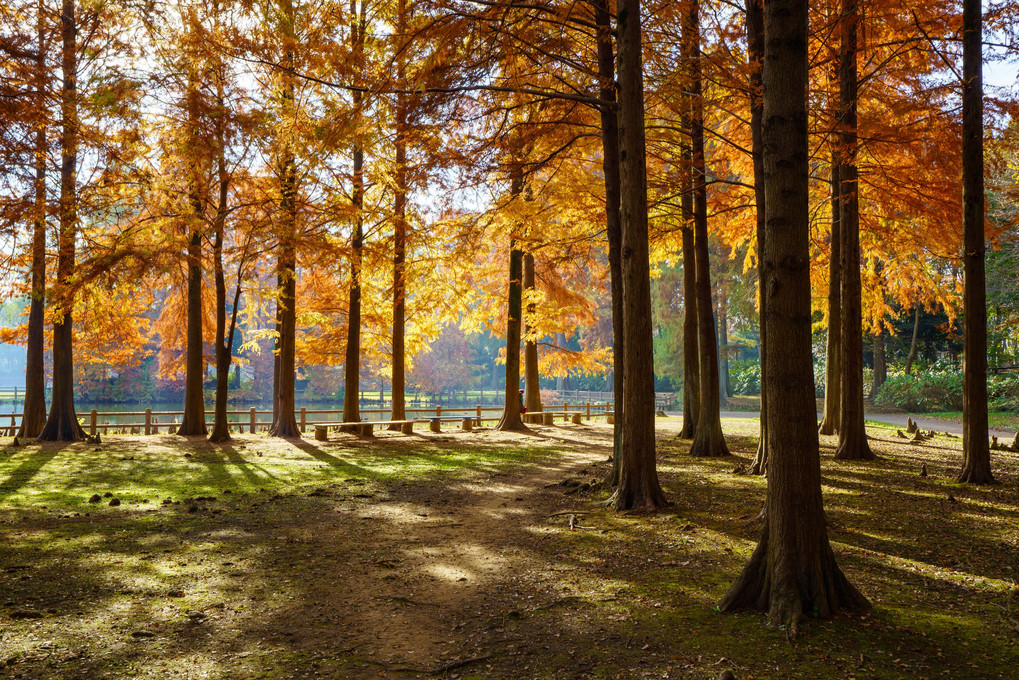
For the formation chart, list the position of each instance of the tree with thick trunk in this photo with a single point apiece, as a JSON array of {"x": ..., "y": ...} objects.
[
  {"x": 833, "y": 355},
  {"x": 532, "y": 388},
  {"x": 193, "y": 420},
  {"x": 33, "y": 416},
  {"x": 792, "y": 572},
  {"x": 853, "y": 443},
  {"x": 62, "y": 422},
  {"x": 399, "y": 361},
  {"x": 755, "y": 57},
  {"x": 708, "y": 439},
  {"x": 613, "y": 229},
  {"x": 511, "y": 420},
  {"x": 638, "y": 475},
  {"x": 976, "y": 467}
]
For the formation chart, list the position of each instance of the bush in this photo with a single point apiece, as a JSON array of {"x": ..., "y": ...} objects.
[
  {"x": 933, "y": 390},
  {"x": 744, "y": 376}
]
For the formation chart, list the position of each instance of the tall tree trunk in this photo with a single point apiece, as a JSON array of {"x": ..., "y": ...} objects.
[
  {"x": 853, "y": 443},
  {"x": 912, "y": 343},
  {"x": 399, "y": 409},
  {"x": 352, "y": 356},
  {"x": 62, "y": 422},
  {"x": 723, "y": 345},
  {"x": 755, "y": 55},
  {"x": 976, "y": 467},
  {"x": 511, "y": 420},
  {"x": 880, "y": 362},
  {"x": 793, "y": 572},
  {"x": 613, "y": 228},
  {"x": 708, "y": 439},
  {"x": 224, "y": 334},
  {"x": 193, "y": 420},
  {"x": 638, "y": 474},
  {"x": 691, "y": 363},
  {"x": 33, "y": 417},
  {"x": 833, "y": 355},
  {"x": 532, "y": 388}
]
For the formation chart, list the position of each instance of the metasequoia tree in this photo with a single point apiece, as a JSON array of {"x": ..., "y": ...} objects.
[
  {"x": 792, "y": 572},
  {"x": 755, "y": 58},
  {"x": 511, "y": 414},
  {"x": 400, "y": 190},
  {"x": 708, "y": 439},
  {"x": 976, "y": 467},
  {"x": 532, "y": 389},
  {"x": 352, "y": 356},
  {"x": 638, "y": 474},
  {"x": 853, "y": 443},
  {"x": 62, "y": 422},
  {"x": 34, "y": 413}
]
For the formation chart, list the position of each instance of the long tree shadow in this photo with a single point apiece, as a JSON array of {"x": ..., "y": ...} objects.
[{"x": 32, "y": 462}]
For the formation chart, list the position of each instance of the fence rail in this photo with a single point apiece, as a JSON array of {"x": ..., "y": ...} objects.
[{"x": 148, "y": 421}]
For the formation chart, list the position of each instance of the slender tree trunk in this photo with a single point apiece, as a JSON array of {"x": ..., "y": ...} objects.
[
  {"x": 613, "y": 228},
  {"x": 352, "y": 357},
  {"x": 708, "y": 439},
  {"x": 755, "y": 54},
  {"x": 880, "y": 363},
  {"x": 62, "y": 422},
  {"x": 511, "y": 420},
  {"x": 399, "y": 409},
  {"x": 976, "y": 467},
  {"x": 532, "y": 388},
  {"x": 638, "y": 474},
  {"x": 853, "y": 443},
  {"x": 833, "y": 360},
  {"x": 723, "y": 345},
  {"x": 224, "y": 335},
  {"x": 691, "y": 363},
  {"x": 912, "y": 343},
  {"x": 33, "y": 417},
  {"x": 793, "y": 572}
]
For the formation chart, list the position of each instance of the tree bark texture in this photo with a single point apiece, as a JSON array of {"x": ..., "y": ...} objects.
[
  {"x": 755, "y": 54},
  {"x": 33, "y": 417},
  {"x": 976, "y": 468},
  {"x": 708, "y": 439},
  {"x": 638, "y": 474},
  {"x": 833, "y": 353},
  {"x": 532, "y": 388},
  {"x": 691, "y": 356},
  {"x": 793, "y": 572},
  {"x": 613, "y": 229},
  {"x": 853, "y": 443},
  {"x": 62, "y": 422}
]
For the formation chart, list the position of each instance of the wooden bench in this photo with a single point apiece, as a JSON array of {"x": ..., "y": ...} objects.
[{"x": 467, "y": 423}]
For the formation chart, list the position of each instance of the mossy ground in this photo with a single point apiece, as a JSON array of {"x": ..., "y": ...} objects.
[{"x": 404, "y": 556}]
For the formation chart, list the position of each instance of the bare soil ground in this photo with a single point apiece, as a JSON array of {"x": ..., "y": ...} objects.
[{"x": 453, "y": 556}]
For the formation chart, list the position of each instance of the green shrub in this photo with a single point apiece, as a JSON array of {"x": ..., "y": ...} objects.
[
  {"x": 745, "y": 376},
  {"x": 932, "y": 390}
]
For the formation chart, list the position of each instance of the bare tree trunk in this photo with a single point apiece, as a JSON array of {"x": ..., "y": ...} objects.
[
  {"x": 723, "y": 345},
  {"x": 638, "y": 474},
  {"x": 976, "y": 467},
  {"x": 793, "y": 571},
  {"x": 853, "y": 443},
  {"x": 511, "y": 420},
  {"x": 610, "y": 167},
  {"x": 708, "y": 439},
  {"x": 833, "y": 355},
  {"x": 532, "y": 388},
  {"x": 755, "y": 55},
  {"x": 691, "y": 355},
  {"x": 33, "y": 416},
  {"x": 62, "y": 422}
]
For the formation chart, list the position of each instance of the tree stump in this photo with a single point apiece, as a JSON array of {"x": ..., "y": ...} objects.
[
  {"x": 466, "y": 424},
  {"x": 321, "y": 433},
  {"x": 435, "y": 425}
]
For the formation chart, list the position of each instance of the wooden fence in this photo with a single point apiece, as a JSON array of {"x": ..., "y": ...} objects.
[{"x": 254, "y": 420}]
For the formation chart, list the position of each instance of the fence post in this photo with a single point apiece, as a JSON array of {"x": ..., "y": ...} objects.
[
  {"x": 566, "y": 411},
  {"x": 438, "y": 411},
  {"x": 148, "y": 421},
  {"x": 92, "y": 416},
  {"x": 479, "y": 411},
  {"x": 588, "y": 413},
  {"x": 253, "y": 420},
  {"x": 304, "y": 418}
]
